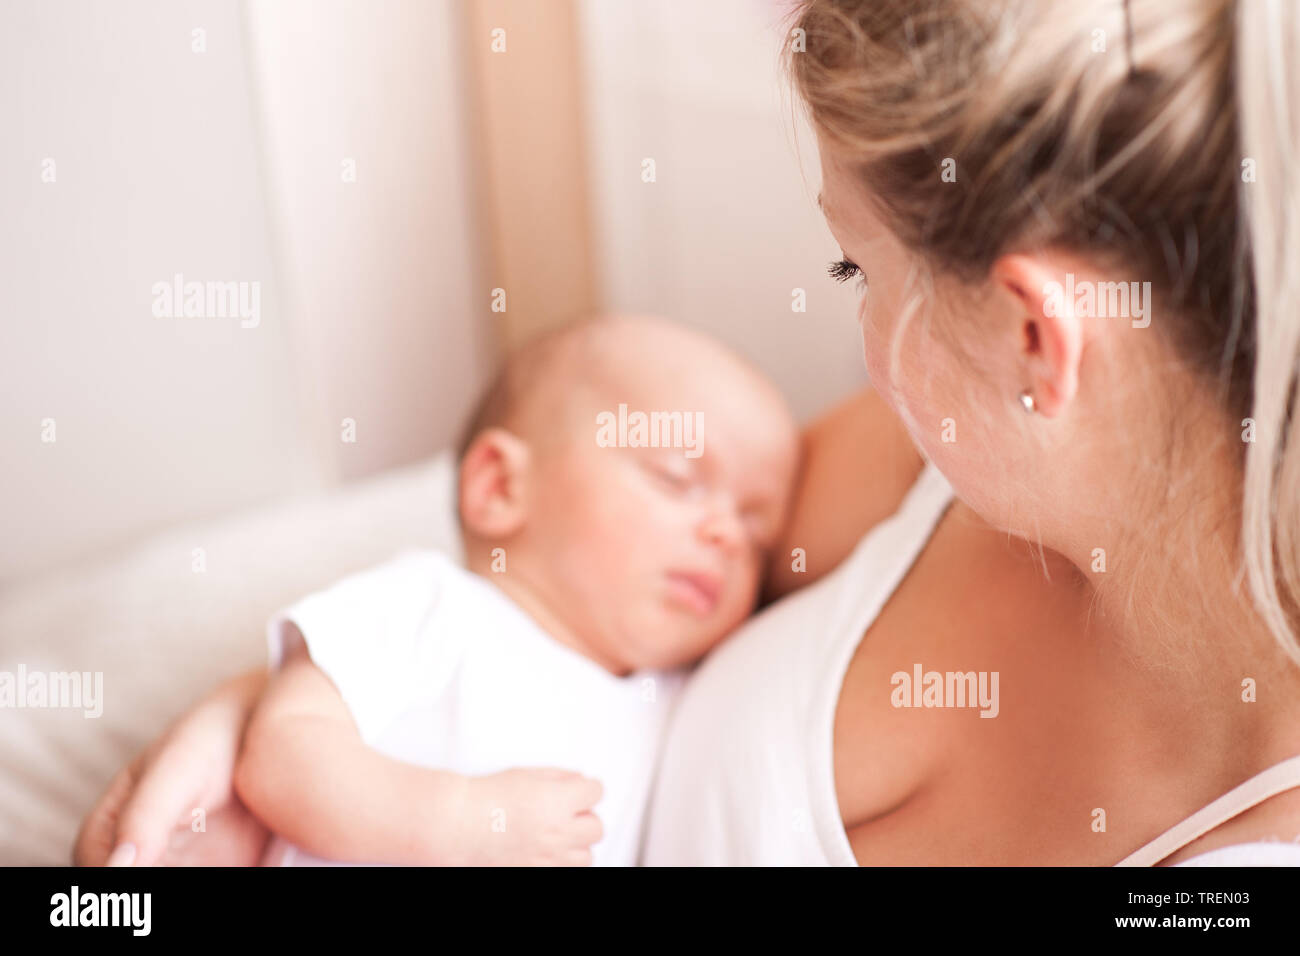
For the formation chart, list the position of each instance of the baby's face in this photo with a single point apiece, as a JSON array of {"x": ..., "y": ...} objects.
[{"x": 652, "y": 554}]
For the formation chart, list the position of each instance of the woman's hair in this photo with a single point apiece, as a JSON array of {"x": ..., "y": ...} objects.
[{"x": 1158, "y": 137}]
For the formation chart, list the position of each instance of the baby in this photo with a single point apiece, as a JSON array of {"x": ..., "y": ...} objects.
[{"x": 620, "y": 486}]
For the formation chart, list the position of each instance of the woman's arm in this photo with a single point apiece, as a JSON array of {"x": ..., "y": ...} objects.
[
  {"x": 174, "y": 804},
  {"x": 858, "y": 463}
]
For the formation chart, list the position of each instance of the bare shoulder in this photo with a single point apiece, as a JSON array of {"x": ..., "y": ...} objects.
[
  {"x": 858, "y": 463},
  {"x": 938, "y": 783}
]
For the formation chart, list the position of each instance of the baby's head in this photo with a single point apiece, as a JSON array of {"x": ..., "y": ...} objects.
[{"x": 634, "y": 474}]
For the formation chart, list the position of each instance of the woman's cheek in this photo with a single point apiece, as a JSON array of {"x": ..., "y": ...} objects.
[
  {"x": 877, "y": 373},
  {"x": 875, "y": 346}
]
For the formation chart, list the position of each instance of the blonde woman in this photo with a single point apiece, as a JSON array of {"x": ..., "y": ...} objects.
[{"x": 1053, "y": 559}]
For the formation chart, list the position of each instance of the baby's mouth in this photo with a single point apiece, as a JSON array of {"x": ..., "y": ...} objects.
[{"x": 697, "y": 591}]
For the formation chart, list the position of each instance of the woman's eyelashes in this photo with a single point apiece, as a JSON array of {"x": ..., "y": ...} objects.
[{"x": 844, "y": 269}]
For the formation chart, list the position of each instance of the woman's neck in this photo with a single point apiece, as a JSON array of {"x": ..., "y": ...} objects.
[{"x": 1169, "y": 596}]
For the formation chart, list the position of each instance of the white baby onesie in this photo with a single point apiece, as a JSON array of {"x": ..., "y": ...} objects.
[{"x": 439, "y": 668}]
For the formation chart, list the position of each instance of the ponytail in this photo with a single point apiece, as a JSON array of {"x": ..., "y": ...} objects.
[{"x": 1268, "y": 103}]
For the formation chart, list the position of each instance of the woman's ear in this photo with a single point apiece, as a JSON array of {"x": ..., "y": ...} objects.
[
  {"x": 1049, "y": 333},
  {"x": 494, "y": 484}
]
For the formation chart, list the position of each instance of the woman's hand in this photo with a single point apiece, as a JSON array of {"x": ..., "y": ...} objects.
[{"x": 174, "y": 805}]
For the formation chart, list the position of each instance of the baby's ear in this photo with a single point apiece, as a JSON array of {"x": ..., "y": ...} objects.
[{"x": 494, "y": 484}]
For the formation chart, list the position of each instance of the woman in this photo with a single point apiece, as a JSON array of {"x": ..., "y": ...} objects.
[{"x": 1078, "y": 221}]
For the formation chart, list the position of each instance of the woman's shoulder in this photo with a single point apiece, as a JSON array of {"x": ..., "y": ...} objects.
[{"x": 858, "y": 464}]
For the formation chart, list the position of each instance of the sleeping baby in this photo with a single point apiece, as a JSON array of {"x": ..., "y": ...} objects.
[{"x": 619, "y": 487}]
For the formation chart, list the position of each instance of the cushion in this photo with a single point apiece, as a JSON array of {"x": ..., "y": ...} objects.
[{"x": 164, "y": 622}]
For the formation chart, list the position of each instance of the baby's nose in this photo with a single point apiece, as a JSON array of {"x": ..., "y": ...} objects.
[{"x": 722, "y": 526}]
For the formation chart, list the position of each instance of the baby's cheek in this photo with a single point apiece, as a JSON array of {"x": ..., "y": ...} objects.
[{"x": 743, "y": 593}]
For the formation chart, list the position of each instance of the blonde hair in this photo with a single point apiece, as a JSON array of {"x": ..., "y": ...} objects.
[{"x": 1157, "y": 136}]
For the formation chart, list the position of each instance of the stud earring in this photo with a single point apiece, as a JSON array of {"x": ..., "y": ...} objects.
[{"x": 1027, "y": 402}]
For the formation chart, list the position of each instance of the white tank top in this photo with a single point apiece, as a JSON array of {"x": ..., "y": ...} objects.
[{"x": 747, "y": 773}]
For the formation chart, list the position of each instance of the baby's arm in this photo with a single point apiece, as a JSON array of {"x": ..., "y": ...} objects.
[
  {"x": 833, "y": 508},
  {"x": 305, "y": 771}
]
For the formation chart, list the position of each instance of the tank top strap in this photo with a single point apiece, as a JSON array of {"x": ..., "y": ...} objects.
[
  {"x": 1276, "y": 779},
  {"x": 885, "y": 554},
  {"x": 918, "y": 513}
]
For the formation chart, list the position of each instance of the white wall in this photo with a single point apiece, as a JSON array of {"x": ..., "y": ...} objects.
[
  {"x": 392, "y": 319},
  {"x": 730, "y": 226},
  {"x": 157, "y": 173},
  {"x": 166, "y": 161}
]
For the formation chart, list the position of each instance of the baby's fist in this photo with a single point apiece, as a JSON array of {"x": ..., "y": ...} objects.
[{"x": 531, "y": 817}]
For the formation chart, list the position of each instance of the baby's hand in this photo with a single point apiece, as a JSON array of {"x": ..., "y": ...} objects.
[{"x": 530, "y": 817}]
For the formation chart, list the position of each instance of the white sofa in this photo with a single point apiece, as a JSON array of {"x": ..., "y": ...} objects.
[{"x": 162, "y": 633}]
